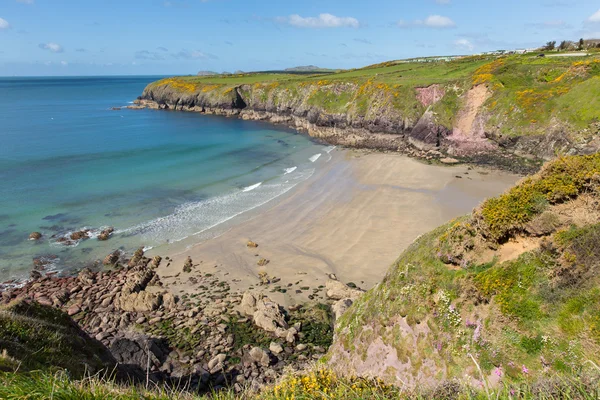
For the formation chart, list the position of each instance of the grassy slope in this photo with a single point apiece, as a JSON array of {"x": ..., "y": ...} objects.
[
  {"x": 35, "y": 337},
  {"x": 527, "y": 318},
  {"x": 529, "y": 95}
]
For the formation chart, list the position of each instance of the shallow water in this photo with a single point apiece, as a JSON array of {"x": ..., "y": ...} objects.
[{"x": 68, "y": 162}]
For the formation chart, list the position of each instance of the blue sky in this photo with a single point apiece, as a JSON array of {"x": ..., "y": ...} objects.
[{"x": 102, "y": 37}]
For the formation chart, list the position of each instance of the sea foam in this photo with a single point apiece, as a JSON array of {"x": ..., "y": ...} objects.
[{"x": 315, "y": 157}]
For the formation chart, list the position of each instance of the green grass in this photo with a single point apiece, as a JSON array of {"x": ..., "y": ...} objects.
[
  {"x": 40, "y": 337},
  {"x": 315, "y": 385}
]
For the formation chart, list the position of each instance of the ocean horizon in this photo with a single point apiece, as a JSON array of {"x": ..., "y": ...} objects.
[{"x": 69, "y": 162}]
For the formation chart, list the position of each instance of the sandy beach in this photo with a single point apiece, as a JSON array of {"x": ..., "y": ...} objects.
[{"x": 353, "y": 220}]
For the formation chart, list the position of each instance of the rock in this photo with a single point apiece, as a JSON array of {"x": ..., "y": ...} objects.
[
  {"x": 260, "y": 356},
  {"x": 139, "y": 350},
  {"x": 268, "y": 316},
  {"x": 74, "y": 309},
  {"x": 187, "y": 267},
  {"x": 248, "y": 304},
  {"x": 290, "y": 337},
  {"x": 301, "y": 347},
  {"x": 275, "y": 348},
  {"x": 142, "y": 301},
  {"x": 214, "y": 362},
  {"x": 79, "y": 235},
  {"x": 156, "y": 261},
  {"x": 112, "y": 258},
  {"x": 340, "y": 307},
  {"x": 86, "y": 277},
  {"x": 140, "y": 320},
  {"x": 262, "y": 262},
  {"x": 35, "y": 236},
  {"x": 449, "y": 160},
  {"x": 252, "y": 244},
  {"x": 105, "y": 234},
  {"x": 336, "y": 290},
  {"x": 333, "y": 277}
]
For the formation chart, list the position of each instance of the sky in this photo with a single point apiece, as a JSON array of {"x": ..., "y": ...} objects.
[{"x": 167, "y": 37}]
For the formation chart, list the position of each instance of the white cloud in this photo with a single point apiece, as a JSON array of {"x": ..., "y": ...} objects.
[
  {"x": 433, "y": 21},
  {"x": 595, "y": 17},
  {"x": 322, "y": 21},
  {"x": 439, "y": 21},
  {"x": 442, "y": 1},
  {"x": 53, "y": 47},
  {"x": 194, "y": 55},
  {"x": 64, "y": 63},
  {"x": 464, "y": 44},
  {"x": 4, "y": 24}
]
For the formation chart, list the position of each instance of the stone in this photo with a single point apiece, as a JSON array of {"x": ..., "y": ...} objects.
[
  {"x": 248, "y": 304},
  {"x": 74, "y": 309},
  {"x": 291, "y": 335},
  {"x": 252, "y": 244},
  {"x": 156, "y": 261},
  {"x": 140, "y": 320},
  {"x": 340, "y": 307},
  {"x": 187, "y": 266},
  {"x": 336, "y": 290},
  {"x": 268, "y": 316},
  {"x": 35, "y": 236},
  {"x": 86, "y": 277},
  {"x": 141, "y": 301},
  {"x": 260, "y": 356},
  {"x": 301, "y": 347},
  {"x": 449, "y": 160},
  {"x": 79, "y": 235},
  {"x": 214, "y": 362},
  {"x": 112, "y": 258},
  {"x": 275, "y": 348},
  {"x": 262, "y": 262}
]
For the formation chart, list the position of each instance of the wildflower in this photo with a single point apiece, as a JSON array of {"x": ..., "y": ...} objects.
[
  {"x": 524, "y": 369},
  {"x": 498, "y": 371}
]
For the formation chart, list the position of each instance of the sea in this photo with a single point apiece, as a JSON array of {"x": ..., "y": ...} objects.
[{"x": 70, "y": 162}]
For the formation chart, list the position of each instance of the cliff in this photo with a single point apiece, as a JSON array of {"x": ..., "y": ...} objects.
[
  {"x": 508, "y": 294},
  {"x": 478, "y": 109}
]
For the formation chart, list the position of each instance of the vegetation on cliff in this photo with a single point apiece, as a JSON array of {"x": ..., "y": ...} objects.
[{"x": 509, "y": 294}]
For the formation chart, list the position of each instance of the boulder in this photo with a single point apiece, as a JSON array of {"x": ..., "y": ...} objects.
[
  {"x": 187, "y": 266},
  {"x": 140, "y": 301},
  {"x": 248, "y": 304},
  {"x": 275, "y": 348},
  {"x": 216, "y": 361},
  {"x": 112, "y": 258},
  {"x": 336, "y": 290},
  {"x": 340, "y": 307},
  {"x": 260, "y": 356},
  {"x": 86, "y": 277},
  {"x": 79, "y": 235},
  {"x": 35, "y": 236},
  {"x": 268, "y": 316},
  {"x": 252, "y": 244}
]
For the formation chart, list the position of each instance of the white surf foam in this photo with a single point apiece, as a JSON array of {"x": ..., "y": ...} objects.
[
  {"x": 290, "y": 170},
  {"x": 251, "y": 187},
  {"x": 329, "y": 149},
  {"x": 193, "y": 219},
  {"x": 315, "y": 157}
]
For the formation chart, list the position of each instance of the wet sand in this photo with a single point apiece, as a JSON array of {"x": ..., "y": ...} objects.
[{"x": 353, "y": 220}]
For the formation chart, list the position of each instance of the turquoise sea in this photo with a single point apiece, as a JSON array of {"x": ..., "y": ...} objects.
[{"x": 69, "y": 162}]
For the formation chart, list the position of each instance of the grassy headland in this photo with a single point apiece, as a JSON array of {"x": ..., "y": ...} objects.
[{"x": 530, "y": 105}]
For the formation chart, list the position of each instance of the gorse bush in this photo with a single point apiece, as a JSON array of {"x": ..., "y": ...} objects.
[{"x": 560, "y": 180}]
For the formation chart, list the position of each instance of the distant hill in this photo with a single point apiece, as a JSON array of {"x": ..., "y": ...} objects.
[
  {"x": 308, "y": 68},
  {"x": 207, "y": 73}
]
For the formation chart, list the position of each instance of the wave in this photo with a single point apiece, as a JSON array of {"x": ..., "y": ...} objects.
[
  {"x": 330, "y": 149},
  {"x": 315, "y": 157},
  {"x": 251, "y": 187},
  {"x": 195, "y": 218},
  {"x": 290, "y": 170}
]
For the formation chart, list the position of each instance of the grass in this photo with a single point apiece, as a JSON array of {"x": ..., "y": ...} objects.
[
  {"x": 33, "y": 336},
  {"x": 319, "y": 384}
]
